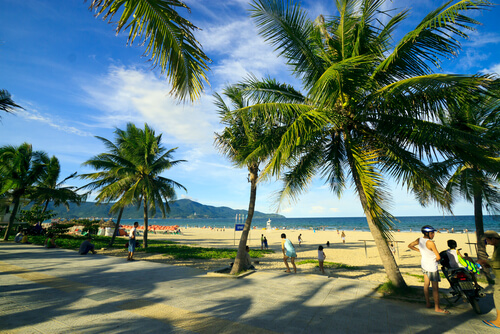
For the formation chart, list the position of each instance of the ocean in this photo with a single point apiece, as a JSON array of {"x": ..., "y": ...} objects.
[{"x": 403, "y": 224}]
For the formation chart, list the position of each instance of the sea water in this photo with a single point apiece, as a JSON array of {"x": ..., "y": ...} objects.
[{"x": 403, "y": 224}]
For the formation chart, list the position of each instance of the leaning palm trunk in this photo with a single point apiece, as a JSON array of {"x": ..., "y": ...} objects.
[
  {"x": 145, "y": 235},
  {"x": 238, "y": 262},
  {"x": 478, "y": 220},
  {"x": 117, "y": 226},
  {"x": 388, "y": 261},
  {"x": 16, "y": 202}
]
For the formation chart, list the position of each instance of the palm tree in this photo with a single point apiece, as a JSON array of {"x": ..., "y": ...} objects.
[
  {"x": 50, "y": 190},
  {"x": 168, "y": 37},
  {"x": 476, "y": 178},
  {"x": 368, "y": 105},
  {"x": 6, "y": 103},
  {"x": 21, "y": 169},
  {"x": 245, "y": 141},
  {"x": 130, "y": 172}
]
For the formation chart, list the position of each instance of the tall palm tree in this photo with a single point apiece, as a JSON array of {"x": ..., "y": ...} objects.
[
  {"x": 368, "y": 105},
  {"x": 50, "y": 190},
  {"x": 169, "y": 39},
  {"x": 476, "y": 178},
  {"x": 131, "y": 172},
  {"x": 21, "y": 169},
  {"x": 6, "y": 102},
  {"x": 243, "y": 141}
]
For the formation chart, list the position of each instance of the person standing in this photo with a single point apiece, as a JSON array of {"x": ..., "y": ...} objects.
[
  {"x": 262, "y": 241},
  {"x": 343, "y": 237},
  {"x": 265, "y": 243},
  {"x": 429, "y": 263},
  {"x": 492, "y": 238},
  {"x": 300, "y": 239},
  {"x": 321, "y": 259},
  {"x": 131, "y": 242},
  {"x": 288, "y": 252}
]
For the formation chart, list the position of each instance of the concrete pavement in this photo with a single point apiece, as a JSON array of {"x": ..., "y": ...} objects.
[{"x": 58, "y": 291}]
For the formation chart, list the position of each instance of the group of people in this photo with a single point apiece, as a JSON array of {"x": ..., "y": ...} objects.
[{"x": 431, "y": 257}]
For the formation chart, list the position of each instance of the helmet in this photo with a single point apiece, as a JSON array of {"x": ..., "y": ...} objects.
[{"x": 428, "y": 229}]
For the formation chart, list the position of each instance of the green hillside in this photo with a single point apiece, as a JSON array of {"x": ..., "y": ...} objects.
[{"x": 182, "y": 208}]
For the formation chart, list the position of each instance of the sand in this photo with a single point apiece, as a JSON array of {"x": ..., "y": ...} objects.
[{"x": 353, "y": 252}]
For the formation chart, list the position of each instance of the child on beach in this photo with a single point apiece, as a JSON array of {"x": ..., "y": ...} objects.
[
  {"x": 321, "y": 259},
  {"x": 300, "y": 239},
  {"x": 288, "y": 252},
  {"x": 265, "y": 243},
  {"x": 343, "y": 237}
]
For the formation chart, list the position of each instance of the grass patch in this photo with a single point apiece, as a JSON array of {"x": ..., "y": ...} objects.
[
  {"x": 73, "y": 242},
  {"x": 388, "y": 289},
  {"x": 186, "y": 252},
  {"x": 166, "y": 247},
  {"x": 328, "y": 265}
]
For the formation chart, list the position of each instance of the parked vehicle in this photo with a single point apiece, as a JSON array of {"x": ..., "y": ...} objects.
[{"x": 462, "y": 284}]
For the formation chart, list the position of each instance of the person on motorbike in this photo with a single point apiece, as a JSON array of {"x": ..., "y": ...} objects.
[
  {"x": 492, "y": 238},
  {"x": 453, "y": 257},
  {"x": 429, "y": 263}
]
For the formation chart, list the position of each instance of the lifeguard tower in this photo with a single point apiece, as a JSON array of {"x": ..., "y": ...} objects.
[{"x": 268, "y": 224}]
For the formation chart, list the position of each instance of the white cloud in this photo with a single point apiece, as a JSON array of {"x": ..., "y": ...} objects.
[
  {"x": 493, "y": 69},
  {"x": 34, "y": 115},
  {"x": 133, "y": 95}
]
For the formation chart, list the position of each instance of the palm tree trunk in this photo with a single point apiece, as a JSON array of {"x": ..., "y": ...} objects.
[
  {"x": 478, "y": 220},
  {"x": 16, "y": 202},
  {"x": 145, "y": 236},
  {"x": 45, "y": 206},
  {"x": 117, "y": 226},
  {"x": 387, "y": 257},
  {"x": 239, "y": 261}
]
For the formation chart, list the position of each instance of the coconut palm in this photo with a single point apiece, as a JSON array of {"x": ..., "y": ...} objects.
[
  {"x": 246, "y": 141},
  {"x": 21, "y": 169},
  {"x": 168, "y": 37},
  {"x": 368, "y": 105},
  {"x": 6, "y": 102},
  {"x": 130, "y": 172},
  {"x": 473, "y": 177},
  {"x": 50, "y": 190}
]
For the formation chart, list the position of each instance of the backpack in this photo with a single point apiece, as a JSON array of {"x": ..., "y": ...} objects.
[{"x": 445, "y": 261}]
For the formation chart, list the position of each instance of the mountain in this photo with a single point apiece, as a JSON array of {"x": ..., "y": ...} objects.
[{"x": 183, "y": 208}]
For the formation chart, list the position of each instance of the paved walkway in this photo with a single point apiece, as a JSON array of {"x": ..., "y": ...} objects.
[{"x": 59, "y": 291}]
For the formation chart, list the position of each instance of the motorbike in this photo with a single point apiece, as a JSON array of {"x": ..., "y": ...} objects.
[{"x": 462, "y": 285}]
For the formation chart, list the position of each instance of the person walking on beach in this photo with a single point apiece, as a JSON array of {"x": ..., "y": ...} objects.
[
  {"x": 288, "y": 252},
  {"x": 131, "y": 242},
  {"x": 429, "y": 263},
  {"x": 265, "y": 242},
  {"x": 343, "y": 237},
  {"x": 492, "y": 238},
  {"x": 300, "y": 239},
  {"x": 321, "y": 259}
]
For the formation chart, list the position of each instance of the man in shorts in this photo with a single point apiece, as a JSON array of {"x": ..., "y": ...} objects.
[
  {"x": 429, "y": 263},
  {"x": 131, "y": 242}
]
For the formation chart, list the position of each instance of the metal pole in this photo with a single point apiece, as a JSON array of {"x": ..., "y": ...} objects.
[{"x": 470, "y": 249}]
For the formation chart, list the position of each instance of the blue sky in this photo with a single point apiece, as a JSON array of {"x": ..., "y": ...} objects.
[{"x": 76, "y": 80}]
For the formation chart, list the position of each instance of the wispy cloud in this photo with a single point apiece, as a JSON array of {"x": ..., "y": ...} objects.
[
  {"x": 34, "y": 115},
  {"x": 135, "y": 95},
  {"x": 493, "y": 69}
]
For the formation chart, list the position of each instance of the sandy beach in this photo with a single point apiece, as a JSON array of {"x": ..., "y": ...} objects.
[{"x": 353, "y": 252}]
